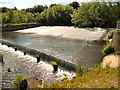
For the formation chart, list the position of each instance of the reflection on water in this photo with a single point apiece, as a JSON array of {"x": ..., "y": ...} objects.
[{"x": 87, "y": 53}]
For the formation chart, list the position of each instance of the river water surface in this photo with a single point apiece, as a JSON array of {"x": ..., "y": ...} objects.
[
  {"x": 78, "y": 51},
  {"x": 84, "y": 52}
]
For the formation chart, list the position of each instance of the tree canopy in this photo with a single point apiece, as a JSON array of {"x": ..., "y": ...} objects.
[
  {"x": 96, "y": 14},
  {"x": 92, "y": 14}
]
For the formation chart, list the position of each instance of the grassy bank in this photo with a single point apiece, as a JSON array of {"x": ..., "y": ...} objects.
[
  {"x": 97, "y": 77},
  {"x": 19, "y": 26}
]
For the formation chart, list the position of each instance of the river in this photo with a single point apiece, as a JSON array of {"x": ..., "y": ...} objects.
[{"x": 86, "y": 52}]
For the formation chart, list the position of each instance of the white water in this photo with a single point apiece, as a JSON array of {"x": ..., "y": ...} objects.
[{"x": 15, "y": 60}]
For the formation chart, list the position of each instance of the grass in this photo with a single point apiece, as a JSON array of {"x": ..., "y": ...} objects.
[{"x": 97, "y": 77}]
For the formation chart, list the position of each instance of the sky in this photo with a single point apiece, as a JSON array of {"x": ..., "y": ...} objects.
[{"x": 23, "y": 4}]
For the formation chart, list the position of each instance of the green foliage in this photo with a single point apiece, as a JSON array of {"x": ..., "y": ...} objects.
[
  {"x": 102, "y": 78},
  {"x": 35, "y": 9},
  {"x": 93, "y": 14},
  {"x": 45, "y": 84},
  {"x": 53, "y": 63},
  {"x": 56, "y": 15},
  {"x": 96, "y": 14},
  {"x": 75, "y": 5},
  {"x": 80, "y": 69},
  {"x": 108, "y": 49},
  {"x": 110, "y": 34},
  {"x": 18, "y": 82}
]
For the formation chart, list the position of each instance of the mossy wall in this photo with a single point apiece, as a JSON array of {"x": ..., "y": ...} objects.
[{"x": 116, "y": 40}]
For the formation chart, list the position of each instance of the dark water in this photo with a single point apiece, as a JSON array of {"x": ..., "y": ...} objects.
[{"x": 77, "y": 51}]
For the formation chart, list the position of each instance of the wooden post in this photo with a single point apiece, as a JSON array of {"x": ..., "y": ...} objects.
[
  {"x": 116, "y": 40},
  {"x": 24, "y": 52},
  {"x": 15, "y": 49},
  {"x": 38, "y": 58}
]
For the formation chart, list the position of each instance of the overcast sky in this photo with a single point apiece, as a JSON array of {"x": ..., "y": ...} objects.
[{"x": 20, "y": 4}]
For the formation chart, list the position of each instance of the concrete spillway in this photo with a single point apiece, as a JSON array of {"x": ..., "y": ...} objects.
[{"x": 65, "y": 64}]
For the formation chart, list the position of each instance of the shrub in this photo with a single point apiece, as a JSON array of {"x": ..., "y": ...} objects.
[
  {"x": 80, "y": 69},
  {"x": 108, "y": 49},
  {"x": 18, "y": 82},
  {"x": 110, "y": 34}
]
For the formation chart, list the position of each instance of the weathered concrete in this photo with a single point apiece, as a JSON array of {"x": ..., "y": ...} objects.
[
  {"x": 116, "y": 40},
  {"x": 65, "y": 64}
]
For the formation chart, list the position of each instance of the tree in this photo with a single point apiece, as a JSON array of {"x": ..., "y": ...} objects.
[
  {"x": 56, "y": 15},
  {"x": 95, "y": 14},
  {"x": 52, "y": 5},
  {"x": 38, "y": 8},
  {"x": 14, "y": 8},
  {"x": 75, "y": 5}
]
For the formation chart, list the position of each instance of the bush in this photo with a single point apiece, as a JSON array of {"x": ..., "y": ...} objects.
[
  {"x": 56, "y": 15},
  {"x": 80, "y": 70},
  {"x": 18, "y": 82},
  {"x": 110, "y": 34},
  {"x": 96, "y": 14},
  {"x": 108, "y": 49}
]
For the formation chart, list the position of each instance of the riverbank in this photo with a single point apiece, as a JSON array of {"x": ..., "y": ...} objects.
[
  {"x": 90, "y": 34},
  {"x": 14, "y": 27},
  {"x": 97, "y": 77}
]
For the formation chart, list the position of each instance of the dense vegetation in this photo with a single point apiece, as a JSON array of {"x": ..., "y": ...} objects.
[
  {"x": 93, "y": 14},
  {"x": 97, "y": 77},
  {"x": 96, "y": 14}
]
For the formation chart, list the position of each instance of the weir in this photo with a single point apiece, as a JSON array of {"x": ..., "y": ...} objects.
[{"x": 62, "y": 63}]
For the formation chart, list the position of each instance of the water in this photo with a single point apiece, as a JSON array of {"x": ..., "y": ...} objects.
[
  {"x": 28, "y": 67},
  {"x": 84, "y": 52},
  {"x": 77, "y": 51}
]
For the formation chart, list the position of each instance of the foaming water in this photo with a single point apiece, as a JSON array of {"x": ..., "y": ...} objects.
[
  {"x": 28, "y": 67},
  {"x": 65, "y": 49}
]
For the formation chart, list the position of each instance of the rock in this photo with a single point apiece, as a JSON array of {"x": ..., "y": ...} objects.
[{"x": 111, "y": 61}]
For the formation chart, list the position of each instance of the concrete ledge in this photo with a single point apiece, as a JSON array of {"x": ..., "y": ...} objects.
[{"x": 65, "y": 64}]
